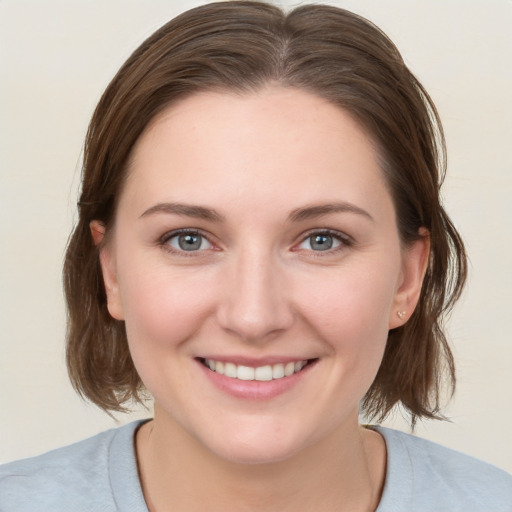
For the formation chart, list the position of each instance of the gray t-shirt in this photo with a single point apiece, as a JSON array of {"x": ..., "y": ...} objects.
[{"x": 100, "y": 475}]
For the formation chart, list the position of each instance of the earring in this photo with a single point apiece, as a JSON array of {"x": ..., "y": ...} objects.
[{"x": 401, "y": 314}]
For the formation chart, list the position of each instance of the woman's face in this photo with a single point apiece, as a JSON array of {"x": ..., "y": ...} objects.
[{"x": 255, "y": 235}]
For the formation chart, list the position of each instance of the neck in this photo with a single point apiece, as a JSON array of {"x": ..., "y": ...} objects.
[{"x": 345, "y": 471}]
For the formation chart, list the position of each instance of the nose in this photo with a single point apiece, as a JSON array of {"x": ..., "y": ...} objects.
[{"x": 255, "y": 305}]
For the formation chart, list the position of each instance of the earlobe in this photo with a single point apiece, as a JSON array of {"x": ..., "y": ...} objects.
[
  {"x": 108, "y": 270},
  {"x": 414, "y": 266}
]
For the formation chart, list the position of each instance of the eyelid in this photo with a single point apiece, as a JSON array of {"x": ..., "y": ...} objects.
[
  {"x": 164, "y": 239},
  {"x": 346, "y": 240}
]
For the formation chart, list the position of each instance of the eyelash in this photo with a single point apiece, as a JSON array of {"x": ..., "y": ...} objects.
[
  {"x": 164, "y": 241},
  {"x": 345, "y": 241}
]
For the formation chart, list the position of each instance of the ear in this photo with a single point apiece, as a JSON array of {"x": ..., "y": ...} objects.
[
  {"x": 108, "y": 269},
  {"x": 415, "y": 260}
]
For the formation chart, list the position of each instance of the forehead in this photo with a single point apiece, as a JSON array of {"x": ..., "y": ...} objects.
[{"x": 258, "y": 148}]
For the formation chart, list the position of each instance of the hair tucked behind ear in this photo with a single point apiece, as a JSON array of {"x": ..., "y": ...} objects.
[{"x": 242, "y": 46}]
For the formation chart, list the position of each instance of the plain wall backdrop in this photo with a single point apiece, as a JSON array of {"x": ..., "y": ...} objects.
[{"x": 56, "y": 58}]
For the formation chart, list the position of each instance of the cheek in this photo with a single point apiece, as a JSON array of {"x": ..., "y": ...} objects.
[
  {"x": 163, "y": 307},
  {"x": 350, "y": 310},
  {"x": 164, "y": 310}
]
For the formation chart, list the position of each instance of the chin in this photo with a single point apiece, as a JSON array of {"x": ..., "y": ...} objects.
[
  {"x": 240, "y": 452},
  {"x": 262, "y": 444}
]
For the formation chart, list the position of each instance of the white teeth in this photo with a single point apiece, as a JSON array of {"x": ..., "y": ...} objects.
[
  {"x": 230, "y": 370},
  {"x": 245, "y": 373},
  {"x": 289, "y": 369},
  {"x": 278, "y": 371},
  {"x": 261, "y": 373}
]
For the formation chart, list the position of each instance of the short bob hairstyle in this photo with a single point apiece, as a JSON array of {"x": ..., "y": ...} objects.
[{"x": 241, "y": 47}]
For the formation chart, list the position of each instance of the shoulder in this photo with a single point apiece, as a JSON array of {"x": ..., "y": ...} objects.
[
  {"x": 76, "y": 477},
  {"x": 432, "y": 478}
]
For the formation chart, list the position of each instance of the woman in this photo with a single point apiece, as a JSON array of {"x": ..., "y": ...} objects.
[{"x": 262, "y": 248}]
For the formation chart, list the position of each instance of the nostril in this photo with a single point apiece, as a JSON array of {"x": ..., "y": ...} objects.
[{"x": 255, "y": 309}]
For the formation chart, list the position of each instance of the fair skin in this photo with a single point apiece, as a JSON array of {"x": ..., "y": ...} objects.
[{"x": 258, "y": 231}]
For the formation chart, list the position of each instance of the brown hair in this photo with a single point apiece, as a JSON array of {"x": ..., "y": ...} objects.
[{"x": 241, "y": 46}]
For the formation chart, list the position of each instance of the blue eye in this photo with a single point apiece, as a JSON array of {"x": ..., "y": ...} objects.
[
  {"x": 321, "y": 242},
  {"x": 189, "y": 242}
]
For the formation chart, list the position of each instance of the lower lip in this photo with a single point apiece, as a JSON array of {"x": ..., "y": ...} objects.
[{"x": 255, "y": 389}]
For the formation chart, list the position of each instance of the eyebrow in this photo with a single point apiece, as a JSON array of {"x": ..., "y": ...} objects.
[
  {"x": 297, "y": 215},
  {"x": 187, "y": 210},
  {"x": 315, "y": 211}
]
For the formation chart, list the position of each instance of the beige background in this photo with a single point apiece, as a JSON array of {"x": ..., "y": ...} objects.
[{"x": 56, "y": 57}]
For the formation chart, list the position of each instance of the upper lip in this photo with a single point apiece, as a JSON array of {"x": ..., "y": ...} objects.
[{"x": 256, "y": 362}]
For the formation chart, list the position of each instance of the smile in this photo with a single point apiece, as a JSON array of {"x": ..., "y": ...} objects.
[{"x": 259, "y": 373}]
